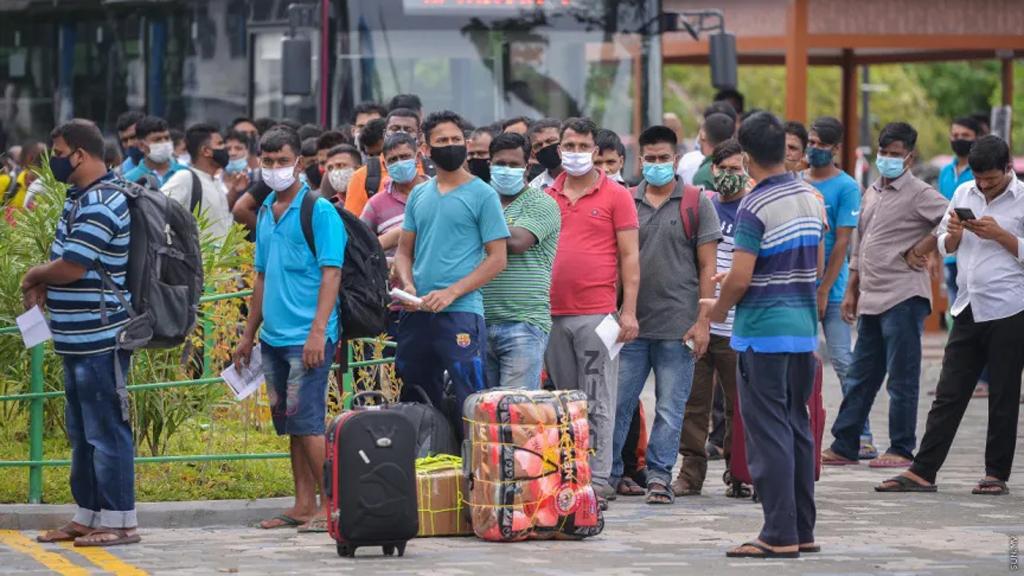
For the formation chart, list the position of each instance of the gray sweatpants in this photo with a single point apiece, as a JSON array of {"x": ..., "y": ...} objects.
[{"x": 577, "y": 360}]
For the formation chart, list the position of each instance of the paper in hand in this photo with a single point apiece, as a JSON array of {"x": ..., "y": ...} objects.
[
  {"x": 33, "y": 326},
  {"x": 399, "y": 294},
  {"x": 608, "y": 332},
  {"x": 243, "y": 381}
]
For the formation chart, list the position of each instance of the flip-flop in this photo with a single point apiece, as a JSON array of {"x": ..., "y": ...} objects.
[
  {"x": 830, "y": 458},
  {"x": 986, "y": 483},
  {"x": 122, "y": 538},
  {"x": 764, "y": 552},
  {"x": 629, "y": 487},
  {"x": 904, "y": 484},
  {"x": 659, "y": 493},
  {"x": 810, "y": 548},
  {"x": 286, "y": 522},
  {"x": 69, "y": 534},
  {"x": 888, "y": 460},
  {"x": 314, "y": 526}
]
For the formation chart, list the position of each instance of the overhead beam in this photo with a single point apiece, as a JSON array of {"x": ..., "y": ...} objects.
[{"x": 796, "y": 61}]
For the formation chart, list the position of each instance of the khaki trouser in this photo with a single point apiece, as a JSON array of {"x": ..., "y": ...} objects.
[{"x": 720, "y": 359}]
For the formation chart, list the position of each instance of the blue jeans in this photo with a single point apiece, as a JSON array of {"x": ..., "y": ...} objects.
[
  {"x": 839, "y": 337},
  {"x": 672, "y": 363},
  {"x": 515, "y": 355},
  {"x": 297, "y": 395},
  {"x": 887, "y": 343},
  {"x": 102, "y": 453}
]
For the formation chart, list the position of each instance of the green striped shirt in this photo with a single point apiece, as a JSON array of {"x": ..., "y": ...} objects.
[{"x": 521, "y": 293}]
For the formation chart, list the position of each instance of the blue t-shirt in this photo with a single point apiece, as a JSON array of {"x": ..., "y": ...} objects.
[
  {"x": 842, "y": 207},
  {"x": 451, "y": 230},
  {"x": 291, "y": 275},
  {"x": 136, "y": 173},
  {"x": 949, "y": 181}
]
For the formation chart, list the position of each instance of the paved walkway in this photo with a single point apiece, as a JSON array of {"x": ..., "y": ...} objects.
[{"x": 862, "y": 533}]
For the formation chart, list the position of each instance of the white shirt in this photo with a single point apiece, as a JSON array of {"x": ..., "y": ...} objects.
[
  {"x": 989, "y": 277},
  {"x": 543, "y": 181},
  {"x": 688, "y": 166},
  {"x": 213, "y": 206}
]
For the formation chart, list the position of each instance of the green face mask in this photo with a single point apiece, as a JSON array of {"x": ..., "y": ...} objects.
[{"x": 730, "y": 183}]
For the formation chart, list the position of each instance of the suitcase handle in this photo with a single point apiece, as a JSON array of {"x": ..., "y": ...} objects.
[{"x": 369, "y": 394}]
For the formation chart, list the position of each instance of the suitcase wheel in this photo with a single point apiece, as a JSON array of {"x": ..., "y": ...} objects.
[
  {"x": 389, "y": 550},
  {"x": 346, "y": 551},
  {"x": 401, "y": 549}
]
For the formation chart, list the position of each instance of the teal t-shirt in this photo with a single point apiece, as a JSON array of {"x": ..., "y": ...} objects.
[
  {"x": 842, "y": 207},
  {"x": 451, "y": 230},
  {"x": 136, "y": 173},
  {"x": 291, "y": 274}
]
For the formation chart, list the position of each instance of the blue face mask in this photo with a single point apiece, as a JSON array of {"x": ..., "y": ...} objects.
[
  {"x": 508, "y": 181},
  {"x": 819, "y": 157},
  {"x": 237, "y": 165},
  {"x": 403, "y": 171},
  {"x": 659, "y": 174},
  {"x": 889, "y": 167}
]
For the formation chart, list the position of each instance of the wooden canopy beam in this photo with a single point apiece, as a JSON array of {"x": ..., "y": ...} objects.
[
  {"x": 796, "y": 61},
  {"x": 851, "y": 91}
]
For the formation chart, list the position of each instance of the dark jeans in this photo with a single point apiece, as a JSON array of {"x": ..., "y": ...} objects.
[
  {"x": 887, "y": 343},
  {"x": 102, "y": 453},
  {"x": 773, "y": 392},
  {"x": 972, "y": 345}
]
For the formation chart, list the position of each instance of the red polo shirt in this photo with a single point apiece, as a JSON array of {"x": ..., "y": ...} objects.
[{"x": 585, "y": 272}]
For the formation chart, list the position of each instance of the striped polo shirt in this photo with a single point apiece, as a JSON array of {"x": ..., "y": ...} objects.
[
  {"x": 99, "y": 233},
  {"x": 780, "y": 222}
]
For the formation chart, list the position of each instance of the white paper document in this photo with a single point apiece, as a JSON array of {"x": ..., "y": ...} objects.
[
  {"x": 245, "y": 380},
  {"x": 608, "y": 332},
  {"x": 33, "y": 326},
  {"x": 399, "y": 294}
]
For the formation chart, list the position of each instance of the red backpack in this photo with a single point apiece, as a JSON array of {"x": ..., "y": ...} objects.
[{"x": 689, "y": 208}]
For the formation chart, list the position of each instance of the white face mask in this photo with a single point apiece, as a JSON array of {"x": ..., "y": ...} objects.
[
  {"x": 577, "y": 163},
  {"x": 279, "y": 179},
  {"x": 161, "y": 152},
  {"x": 617, "y": 176},
  {"x": 339, "y": 178},
  {"x": 184, "y": 159}
]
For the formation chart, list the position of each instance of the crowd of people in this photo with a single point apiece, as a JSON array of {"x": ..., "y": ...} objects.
[{"x": 515, "y": 242}]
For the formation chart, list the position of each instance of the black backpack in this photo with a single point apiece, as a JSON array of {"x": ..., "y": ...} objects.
[
  {"x": 195, "y": 202},
  {"x": 364, "y": 274},
  {"x": 373, "y": 173}
]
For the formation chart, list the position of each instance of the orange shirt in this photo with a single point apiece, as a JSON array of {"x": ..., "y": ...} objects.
[{"x": 356, "y": 196}]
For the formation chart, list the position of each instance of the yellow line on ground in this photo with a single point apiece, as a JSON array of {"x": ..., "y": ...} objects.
[
  {"x": 106, "y": 561},
  {"x": 51, "y": 560}
]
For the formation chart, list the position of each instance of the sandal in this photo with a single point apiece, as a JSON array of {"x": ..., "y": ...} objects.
[
  {"x": 658, "y": 492},
  {"x": 904, "y": 484},
  {"x": 830, "y": 458},
  {"x": 867, "y": 451},
  {"x": 984, "y": 483},
  {"x": 629, "y": 487},
  {"x": 810, "y": 548},
  {"x": 890, "y": 460},
  {"x": 67, "y": 533},
  {"x": 681, "y": 488},
  {"x": 763, "y": 552},
  {"x": 316, "y": 525},
  {"x": 283, "y": 521},
  {"x": 738, "y": 490},
  {"x": 121, "y": 536}
]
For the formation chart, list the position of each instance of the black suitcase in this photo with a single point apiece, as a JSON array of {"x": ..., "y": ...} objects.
[{"x": 370, "y": 481}]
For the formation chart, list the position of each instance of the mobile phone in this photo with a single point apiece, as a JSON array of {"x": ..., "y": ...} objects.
[{"x": 964, "y": 214}]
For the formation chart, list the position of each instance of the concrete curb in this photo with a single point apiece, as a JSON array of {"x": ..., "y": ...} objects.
[{"x": 193, "y": 514}]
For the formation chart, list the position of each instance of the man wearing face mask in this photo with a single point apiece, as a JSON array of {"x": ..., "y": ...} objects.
[
  {"x": 128, "y": 140},
  {"x": 155, "y": 141},
  {"x": 295, "y": 309},
  {"x": 842, "y": 208},
  {"x": 888, "y": 295},
  {"x": 598, "y": 245},
  {"x": 453, "y": 241},
  {"x": 385, "y": 212},
  {"x": 367, "y": 180},
  {"x": 717, "y": 128},
  {"x": 479, "y": 145},
  {"x": 544, "y": 137},
  {"x": 611, "y": 155},
  {"x": 517, "y": 303},
  {"x": 209, "y": 156},
  {"x": 342, "y": 161},
  {"x": 677, "y": 265},
  {"x": 324, "y": 143},
  {"x": 988, "y": 321}
]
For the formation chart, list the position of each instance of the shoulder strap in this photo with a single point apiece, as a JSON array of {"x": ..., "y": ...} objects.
[
  {"x": 306, "y": 220},
  {"x": 372, "y": 175},
  {"x": 428, "y": 167},
  {"x": 689, "y": 210},
  {"x": 196, "y": 201}
]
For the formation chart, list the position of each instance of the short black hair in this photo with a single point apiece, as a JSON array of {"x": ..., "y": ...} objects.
[
  {"x": 310, "y": 131},
  {"x": 177, "y": 136},
  {"x": 763, "y": 138},
  {"x": 970, "y": 123},
  {"x": 543, "y": 124},
  {"x": 330, "y": 139},
  {"x": 150, "y": 125},
  {"x": 489, "y": 130},
  {"x": 436, "y": 118},
  {"x": 726, "y": 150},
  {"x": 982, "y": 118},
  {"x": 373, "y": 133},
  {"x": 239, "y": 120},
  {"x": 275, "y": 139},
  {"x": 989, "y": 152},
  {"x": 721, "y": 108},
  {"x": 399, "y": 139},
  {"x": 510, "y": 141},
  {"x": 580, "y": 125},
  {"x": 81, "y": 134},
  {"x": 732, "y": 96},
  {"x": 516, "y": 120},
  {"x": 658, "y": 134},
  {"x": 898, "y": 132},
  {"x": 290, "y": 123},
  {"x": 369, "y": 107},
  {"x": 403, "y": 113},
  {"x": 349, "y": 149},
  {"x": 264, "y": 124},
  {"x": 112, "y": 153},
  {"x": 718, "y": 128},
  {"x": 747, "y": 114},
  {"x": 197, "y": 136},
  {"x": 410, "y": 101},
  {"x": 128, "y": 119},
  {"x": 308, "y": 146},
  {"x": 828, "y": 129},
  {"x": 608, "y": 140},
  {"x": 797, "y": 129},
  {"x": 242, "y": 137}
]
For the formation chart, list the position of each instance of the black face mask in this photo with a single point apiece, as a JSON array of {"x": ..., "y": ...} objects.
[
  {"x": 313, "y": 175},
  {"x": 220, "y": 157},
  {"x": 961, "y": 147},
  {"x": 481, "y": 168},
  {"x": 548, "y": 157},
  {"x": 533, "y": 171},
  {"x": 448, "y": 158},
  {"x": 135, "y": 154}
]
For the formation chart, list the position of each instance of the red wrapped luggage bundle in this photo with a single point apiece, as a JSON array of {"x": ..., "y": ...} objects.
[{"x": 526, "y": 456}]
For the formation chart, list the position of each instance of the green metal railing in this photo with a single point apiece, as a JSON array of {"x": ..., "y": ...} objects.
[{"x": 36, "y": 397}]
